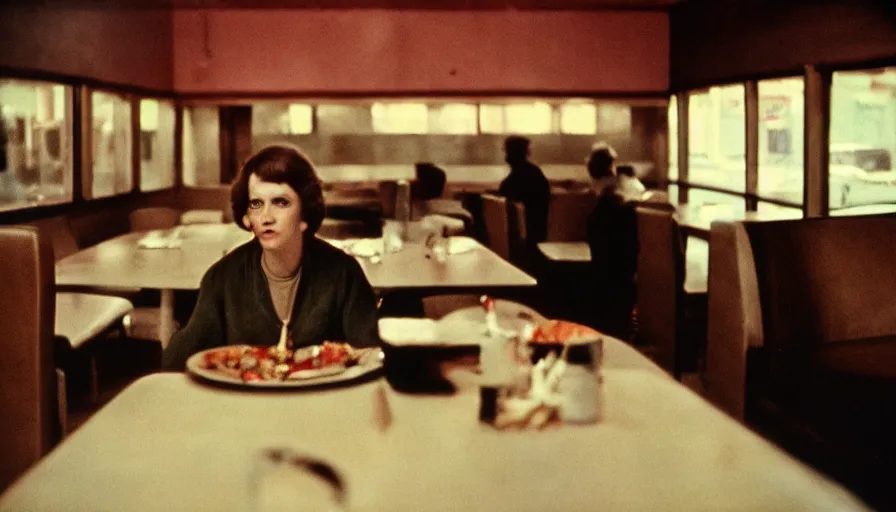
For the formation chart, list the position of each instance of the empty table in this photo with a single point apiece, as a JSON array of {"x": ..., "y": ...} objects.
[
  {"x": 169, "y": 443},
  {"x": 475, "y": 270},
  {"x": 696, "y": 259},
  {"x": 121, "y": 262}
]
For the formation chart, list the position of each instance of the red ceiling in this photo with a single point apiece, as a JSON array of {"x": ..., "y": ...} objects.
[{"x": 576, "y": 5}]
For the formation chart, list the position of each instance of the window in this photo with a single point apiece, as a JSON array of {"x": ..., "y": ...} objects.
[
  {"x": 614, "y": 119},
  {"x": 863, "y": 139},
  {"x": 716, "y": 146},
  {"x": 35, "y": 143},
  {"x": 400, "y": 118},
  {"x": 201, "y": 147},
  {"x": 673, "y": 138},
  {"x": 528, "y": 118},
  {"x": 156, "y": 144},
  {"x": 780, "y": 141},
  {"x": 578, "y": 118},
  {"x": 491, "y": 118},
  {"x": 376, "y": 134},
  {"x": 337, "y": 118},
  {"x": 111, "y": 137},
  {"x": 519, "y": 118},
  {"x": 272, "y": 118},
  {"x": 454, "y": 118}
]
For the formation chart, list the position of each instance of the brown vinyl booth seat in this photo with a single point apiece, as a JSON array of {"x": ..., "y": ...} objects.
[
  {"x": 670, "y": 316},
  {"x": 29, "y": 423},
  {"x": 81, "y": 317},
  {"x": 802, "y": 339},
  {"x": 505, "y": 228},
  {"x": 156, "y": 217},
  {"x": 568, "y": 215},
  {"x": 660, "y": 296},
  {"x": 201, "y": 216},
  {"x": 496, "y": 217}
]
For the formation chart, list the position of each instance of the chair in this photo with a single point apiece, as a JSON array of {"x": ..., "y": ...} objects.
[
  {"x": 202, "y": 217},
  {"x": 655, "y": 196},
  {"x": 802, "y": 341},
  {"x": 59, "y": 231},
  {"x": 734, "y": 319},
  {"x": 340, "y": 229},
  {"x": 29, "y": 424},
  {"x": 496, "y": 218},
  {"x": 387, "y": 191},
  {"x": 160, "y": 217},
  {"x": 518, "y": 234},
  {"x": 82, "y": 318},
  {"x": 568, "y": 216},
  {"x": 660, "y": 287}
]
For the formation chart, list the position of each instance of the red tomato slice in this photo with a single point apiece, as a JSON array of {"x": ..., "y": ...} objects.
[{"x": 251, "y": 376}]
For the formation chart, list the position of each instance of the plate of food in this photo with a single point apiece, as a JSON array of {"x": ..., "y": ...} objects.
[
  {"x": 552, "y": 335},
  {"x": 269, "y": 367},
  {"x": 559, "y": 332}
]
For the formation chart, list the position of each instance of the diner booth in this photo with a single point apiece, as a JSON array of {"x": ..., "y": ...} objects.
[{"x": 755, "y": 370}]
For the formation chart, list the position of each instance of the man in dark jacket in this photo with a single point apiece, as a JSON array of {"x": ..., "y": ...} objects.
[
  {"x": 527, "y": 184},
  {"x": 613, "y": 238}
]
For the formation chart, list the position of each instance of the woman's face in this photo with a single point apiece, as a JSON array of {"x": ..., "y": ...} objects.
[{"x": 274, "y": 214}]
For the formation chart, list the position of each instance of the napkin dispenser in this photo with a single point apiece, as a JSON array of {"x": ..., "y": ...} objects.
[{"x": 417, "y": 349}]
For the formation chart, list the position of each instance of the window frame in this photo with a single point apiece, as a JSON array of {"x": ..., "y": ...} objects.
[
  {"x": 137, "y": 144},
  {"x": 87, "y": 157}
]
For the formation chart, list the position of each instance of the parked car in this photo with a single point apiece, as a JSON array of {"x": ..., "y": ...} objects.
[
  {"x": 864, "y": 173},
  {"x": 859, "y": 175}
]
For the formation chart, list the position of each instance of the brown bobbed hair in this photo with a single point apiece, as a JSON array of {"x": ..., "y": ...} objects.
[{"x": 281, "y": 164}]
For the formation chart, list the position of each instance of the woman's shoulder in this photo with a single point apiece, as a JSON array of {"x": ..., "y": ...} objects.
[
  {"x": 327, "y": 254},
  {"x": 236, "y": 258}
]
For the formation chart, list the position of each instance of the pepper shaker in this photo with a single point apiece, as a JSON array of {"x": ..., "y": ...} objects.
[{"x": 581, "y": 384}]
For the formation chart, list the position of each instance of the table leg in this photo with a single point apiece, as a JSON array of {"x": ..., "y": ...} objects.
[{"x": 166, "y": 317}]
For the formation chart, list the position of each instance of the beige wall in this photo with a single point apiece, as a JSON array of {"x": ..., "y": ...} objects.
[
  {"x": 124, "y": 46},
  {"x": 375, "y": 51}
]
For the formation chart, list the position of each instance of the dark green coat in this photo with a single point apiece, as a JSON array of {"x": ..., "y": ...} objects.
[{"x": 334, "y": 302}]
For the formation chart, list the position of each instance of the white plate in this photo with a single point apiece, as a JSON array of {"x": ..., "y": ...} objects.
[
  {"x": 370, "y": 362},
  {"x": 366, "y": 247},
  {"x": 461, "y": 244}
]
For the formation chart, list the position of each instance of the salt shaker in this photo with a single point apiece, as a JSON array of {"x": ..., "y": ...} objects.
[
  {"x": 580, "y": 385},
  {"x": 495, "y": 358}
]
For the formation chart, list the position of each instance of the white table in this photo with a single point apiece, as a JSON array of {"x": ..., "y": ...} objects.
[
  {"x": 120, "y": 262},
  {"x": 478, "y": 270},
  {"x": 696, "y": 259},
  {"x": 169, "y": 443},
  {"x": 697, "y": 219}
]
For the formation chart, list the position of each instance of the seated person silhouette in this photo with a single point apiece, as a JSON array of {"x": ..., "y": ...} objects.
[
  {"x": 613, "y": 239},
  {"x": 629, "y": 186},
  {"x": 526, "y": 183},
  {"x": 427, "y": 192}
]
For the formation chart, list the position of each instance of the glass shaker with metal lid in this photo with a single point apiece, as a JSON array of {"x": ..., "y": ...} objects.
[{"x": 580, "y": 385}]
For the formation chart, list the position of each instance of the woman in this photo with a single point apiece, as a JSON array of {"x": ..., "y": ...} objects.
[
  {"x": 613, "y": 238},
  {"x": 285, "y": 283}
]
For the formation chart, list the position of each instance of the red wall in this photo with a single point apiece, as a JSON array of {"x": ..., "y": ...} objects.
[
  {"x": 370, "y": 51},
  {"x": 124, "y": 46}
]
